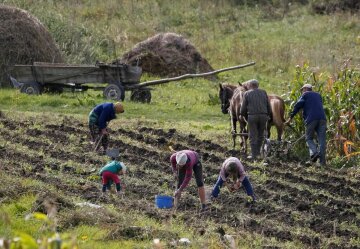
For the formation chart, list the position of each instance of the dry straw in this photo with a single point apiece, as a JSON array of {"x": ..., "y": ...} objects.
[
  {"x": 23, "y": 40},
  {"x": 167, "y": 54}
]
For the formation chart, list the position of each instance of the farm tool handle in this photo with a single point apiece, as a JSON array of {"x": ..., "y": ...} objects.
[
  {"x": 186, "y": 76},
  {"x": 97, "y": 143},
  {"x": 295, "y": 142}
]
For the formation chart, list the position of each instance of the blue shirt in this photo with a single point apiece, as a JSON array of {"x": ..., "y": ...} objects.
[
  {"x": 312, "y": 106},
  {"x": 104, "y": 112}
]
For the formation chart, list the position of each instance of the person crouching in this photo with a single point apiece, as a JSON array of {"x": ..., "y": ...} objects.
[
  {"x": 111, "y": 171},
  {"x": 233, "y": 175}
]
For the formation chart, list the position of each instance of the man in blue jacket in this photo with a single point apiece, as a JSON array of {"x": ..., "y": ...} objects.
[
  {"x": 99, "y": 118},
  {"x": 315, "y": 122}
]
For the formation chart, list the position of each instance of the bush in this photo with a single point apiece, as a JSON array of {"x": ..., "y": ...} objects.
[{"x": 330, "y": 6}]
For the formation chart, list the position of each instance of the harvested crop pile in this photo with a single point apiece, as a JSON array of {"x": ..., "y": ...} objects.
[
  {"x": 166, "y": 54},
  {"x": 23, "y": 40}
]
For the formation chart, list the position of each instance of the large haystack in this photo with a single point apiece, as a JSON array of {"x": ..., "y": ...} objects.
[
  {"x": 23, "y": 40},
  {"x": 167, "y": 55}
]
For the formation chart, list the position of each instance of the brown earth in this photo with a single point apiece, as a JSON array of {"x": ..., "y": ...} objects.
[{"x": 315, "y": 208}]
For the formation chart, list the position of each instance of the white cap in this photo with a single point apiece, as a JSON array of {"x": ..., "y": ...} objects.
[
  {"x": 181, "y": 158},
  {"x": 307, "y": 86}
]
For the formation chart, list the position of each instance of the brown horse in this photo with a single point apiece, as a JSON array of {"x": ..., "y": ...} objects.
[
  {"x": 277, "y": 106},
  {"x": 278, "y": 111},
  {"x": 234, "y": 110}
]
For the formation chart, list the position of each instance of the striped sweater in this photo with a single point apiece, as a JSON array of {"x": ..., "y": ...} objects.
[{"x": 255, "y": 102}]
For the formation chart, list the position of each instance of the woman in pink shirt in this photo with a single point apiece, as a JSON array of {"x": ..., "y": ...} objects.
[
  {"x": 183, "y": 164},
  {"x": 233, "y": 175}
]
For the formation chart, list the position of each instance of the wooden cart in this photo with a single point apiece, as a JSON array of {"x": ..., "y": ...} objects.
[{"x": 54, "y": 77}]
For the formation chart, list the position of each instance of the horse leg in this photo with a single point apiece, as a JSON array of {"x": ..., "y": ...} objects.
[
  {"x": 268, "y": 129},
  {"x": 280, "y": 130},
  {"x": 233, "y": 131}
]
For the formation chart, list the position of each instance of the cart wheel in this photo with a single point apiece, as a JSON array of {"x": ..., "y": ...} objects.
[
  {"x": 31, "y": 88},
  {"x": 114, "y": 92},
  {"x": 143, "y": 96}
]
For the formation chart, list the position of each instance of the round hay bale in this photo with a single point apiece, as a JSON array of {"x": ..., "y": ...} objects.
[
  {"x": 166, "y": 55},
  {"x": 23, "y": 40}
]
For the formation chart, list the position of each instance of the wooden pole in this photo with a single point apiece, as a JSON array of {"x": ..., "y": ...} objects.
[{"x": 185, "y": 76}]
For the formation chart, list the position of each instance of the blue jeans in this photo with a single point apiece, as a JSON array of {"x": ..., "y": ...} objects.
[
  {"x": 246, "y": 183},
  {"x": 318, "y": 127}
]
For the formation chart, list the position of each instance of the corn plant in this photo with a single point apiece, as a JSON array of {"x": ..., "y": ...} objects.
[{"x": 341, "y": 99}]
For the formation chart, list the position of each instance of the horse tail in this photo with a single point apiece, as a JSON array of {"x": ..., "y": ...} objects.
[{"x": 282, "y": 110}]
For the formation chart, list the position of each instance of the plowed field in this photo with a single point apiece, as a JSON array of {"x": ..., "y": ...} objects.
[{"x": 306, "y": 206}]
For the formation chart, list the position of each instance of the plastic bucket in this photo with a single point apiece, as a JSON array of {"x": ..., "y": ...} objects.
[{"x": 164, "y": 201}]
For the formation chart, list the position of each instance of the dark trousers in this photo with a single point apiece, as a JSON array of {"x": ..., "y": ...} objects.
[
  {"x": 318, "y": 127},
  {"x": 257, "y": 126},
  {"x": 197, "y": 169},
  {"x": 95, "y": 133}
]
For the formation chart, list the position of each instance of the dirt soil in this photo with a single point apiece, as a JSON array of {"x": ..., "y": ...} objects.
[{"x": 314, "y": 208}]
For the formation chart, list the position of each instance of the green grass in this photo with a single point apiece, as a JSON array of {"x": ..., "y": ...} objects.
[{"x": 224, "y": 33}]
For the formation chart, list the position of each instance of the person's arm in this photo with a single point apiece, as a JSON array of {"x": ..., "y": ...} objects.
[
  {"x": 103, "y": 118},
  {"x": 173, "y": 163},
  {"x": 299, "y": 104},
  {"x": 188, "y": 175},
  {"x": 222, "y": 173},
  {"x": 122, "y": 169}
]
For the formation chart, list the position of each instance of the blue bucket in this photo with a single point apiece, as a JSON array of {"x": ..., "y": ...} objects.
[{"x": 164, "y": 201}]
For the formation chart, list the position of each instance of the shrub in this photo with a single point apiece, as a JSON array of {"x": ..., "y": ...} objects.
[{"x": 330, "y": 6}]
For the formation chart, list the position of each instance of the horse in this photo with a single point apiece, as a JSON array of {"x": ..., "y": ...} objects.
[
  {"x": 234, "y": 111},
  {"x": 277, "y": 104}
]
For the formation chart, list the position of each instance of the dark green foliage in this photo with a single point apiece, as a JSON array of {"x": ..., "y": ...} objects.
[{"x": 330, "y": 6}]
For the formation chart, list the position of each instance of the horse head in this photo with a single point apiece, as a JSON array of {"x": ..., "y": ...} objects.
[{"x": 225, "y": 93}]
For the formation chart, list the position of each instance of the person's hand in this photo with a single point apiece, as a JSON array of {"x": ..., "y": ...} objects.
[
  {"x": 177, "y": 193},
  {"x": 237, "y": 185},
  {"x": 104, "y": 131},
  {"x": 231, "y": 188},
  {"x": 176, "y": 177}
]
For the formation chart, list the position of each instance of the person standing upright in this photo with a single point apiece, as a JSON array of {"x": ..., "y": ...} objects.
[
  {"x": 257, "y": 111},
  {"x": 315, "y": 122}
]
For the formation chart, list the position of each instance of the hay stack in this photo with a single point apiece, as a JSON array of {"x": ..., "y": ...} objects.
[
  {"x": 23, "y": 40},
  {"x": 166, "y": 55}
]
